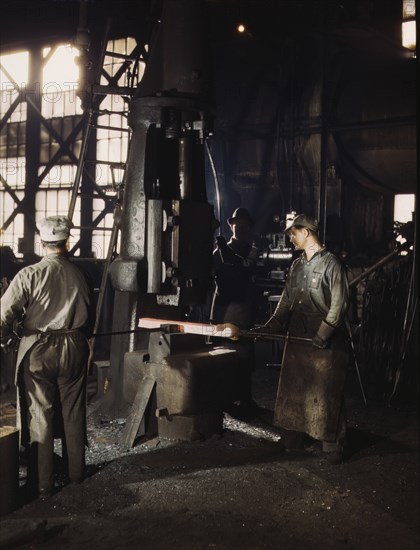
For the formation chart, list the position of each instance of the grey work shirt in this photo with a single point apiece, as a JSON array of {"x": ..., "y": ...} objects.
[
  {"x": 54, "y": 294},
  {"x": 317, "y": 287}
]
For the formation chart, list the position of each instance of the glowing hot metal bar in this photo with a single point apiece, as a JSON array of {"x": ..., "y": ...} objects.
[{"x": 226, "y": 330}]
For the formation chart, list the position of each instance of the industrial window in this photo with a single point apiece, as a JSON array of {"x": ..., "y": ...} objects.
[
  {"x": 14, "y": 75},
  {"x": 404, "y": 206},
  {"x": 61, "y": 108},
  {"x": 13, "y": 79},
  {"x": 61, "y": 136},
  {"x": 59, "y": 82},
  {"x": 50, "y": 146},
  {"x": 101, "y": 235},
  {"x": 112, "y": 135},
  {"x": 409, "y": 25},
  {"x": 60, "y": 175}
]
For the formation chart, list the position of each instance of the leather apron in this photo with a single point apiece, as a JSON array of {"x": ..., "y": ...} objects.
[{"x": 311, "y": 384}]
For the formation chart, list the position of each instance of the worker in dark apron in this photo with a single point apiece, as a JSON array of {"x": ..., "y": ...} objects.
[
  {"x": 57, "y": 301},
  {"x": 313, "y": 306}
]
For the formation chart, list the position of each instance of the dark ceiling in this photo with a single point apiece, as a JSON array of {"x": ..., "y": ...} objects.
[{"x": 26, "y": 21}]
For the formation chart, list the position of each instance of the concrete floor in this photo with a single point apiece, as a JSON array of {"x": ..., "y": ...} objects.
[{"x": 236, "y": 491}]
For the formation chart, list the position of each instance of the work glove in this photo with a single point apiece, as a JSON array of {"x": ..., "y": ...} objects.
[{"x": 321, "y": 339}]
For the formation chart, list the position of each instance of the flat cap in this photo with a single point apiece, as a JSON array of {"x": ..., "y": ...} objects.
[
  {"x": 54, "y": 228},
  {"x": 302, "y": 220}
]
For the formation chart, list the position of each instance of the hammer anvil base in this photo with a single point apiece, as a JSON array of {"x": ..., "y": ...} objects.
[{"x": 195, "y": 383}]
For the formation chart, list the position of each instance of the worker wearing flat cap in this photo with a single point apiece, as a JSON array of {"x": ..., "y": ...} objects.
[
  {"x": 56, "y": 300},
  {"x": 234, "y": 298},
  {"x": 313, "y": 306}
]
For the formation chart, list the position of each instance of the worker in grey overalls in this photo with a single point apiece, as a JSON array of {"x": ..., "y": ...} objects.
[
  {"x": 56, "y": 301},
  {"x": 313, "y": 305}
]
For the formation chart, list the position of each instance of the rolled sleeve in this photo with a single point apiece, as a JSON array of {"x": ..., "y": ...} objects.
[{"x": 339, "y": 296}]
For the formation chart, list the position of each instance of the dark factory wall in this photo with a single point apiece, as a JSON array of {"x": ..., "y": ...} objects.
[
  {"x": 278, "y": 87},
  {"x": 314, "y": 82}
]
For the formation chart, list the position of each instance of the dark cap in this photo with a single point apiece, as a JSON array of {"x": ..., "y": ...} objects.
[
  {"x": 240, "y": 214},
  {"x": 301, "y": 220}
]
